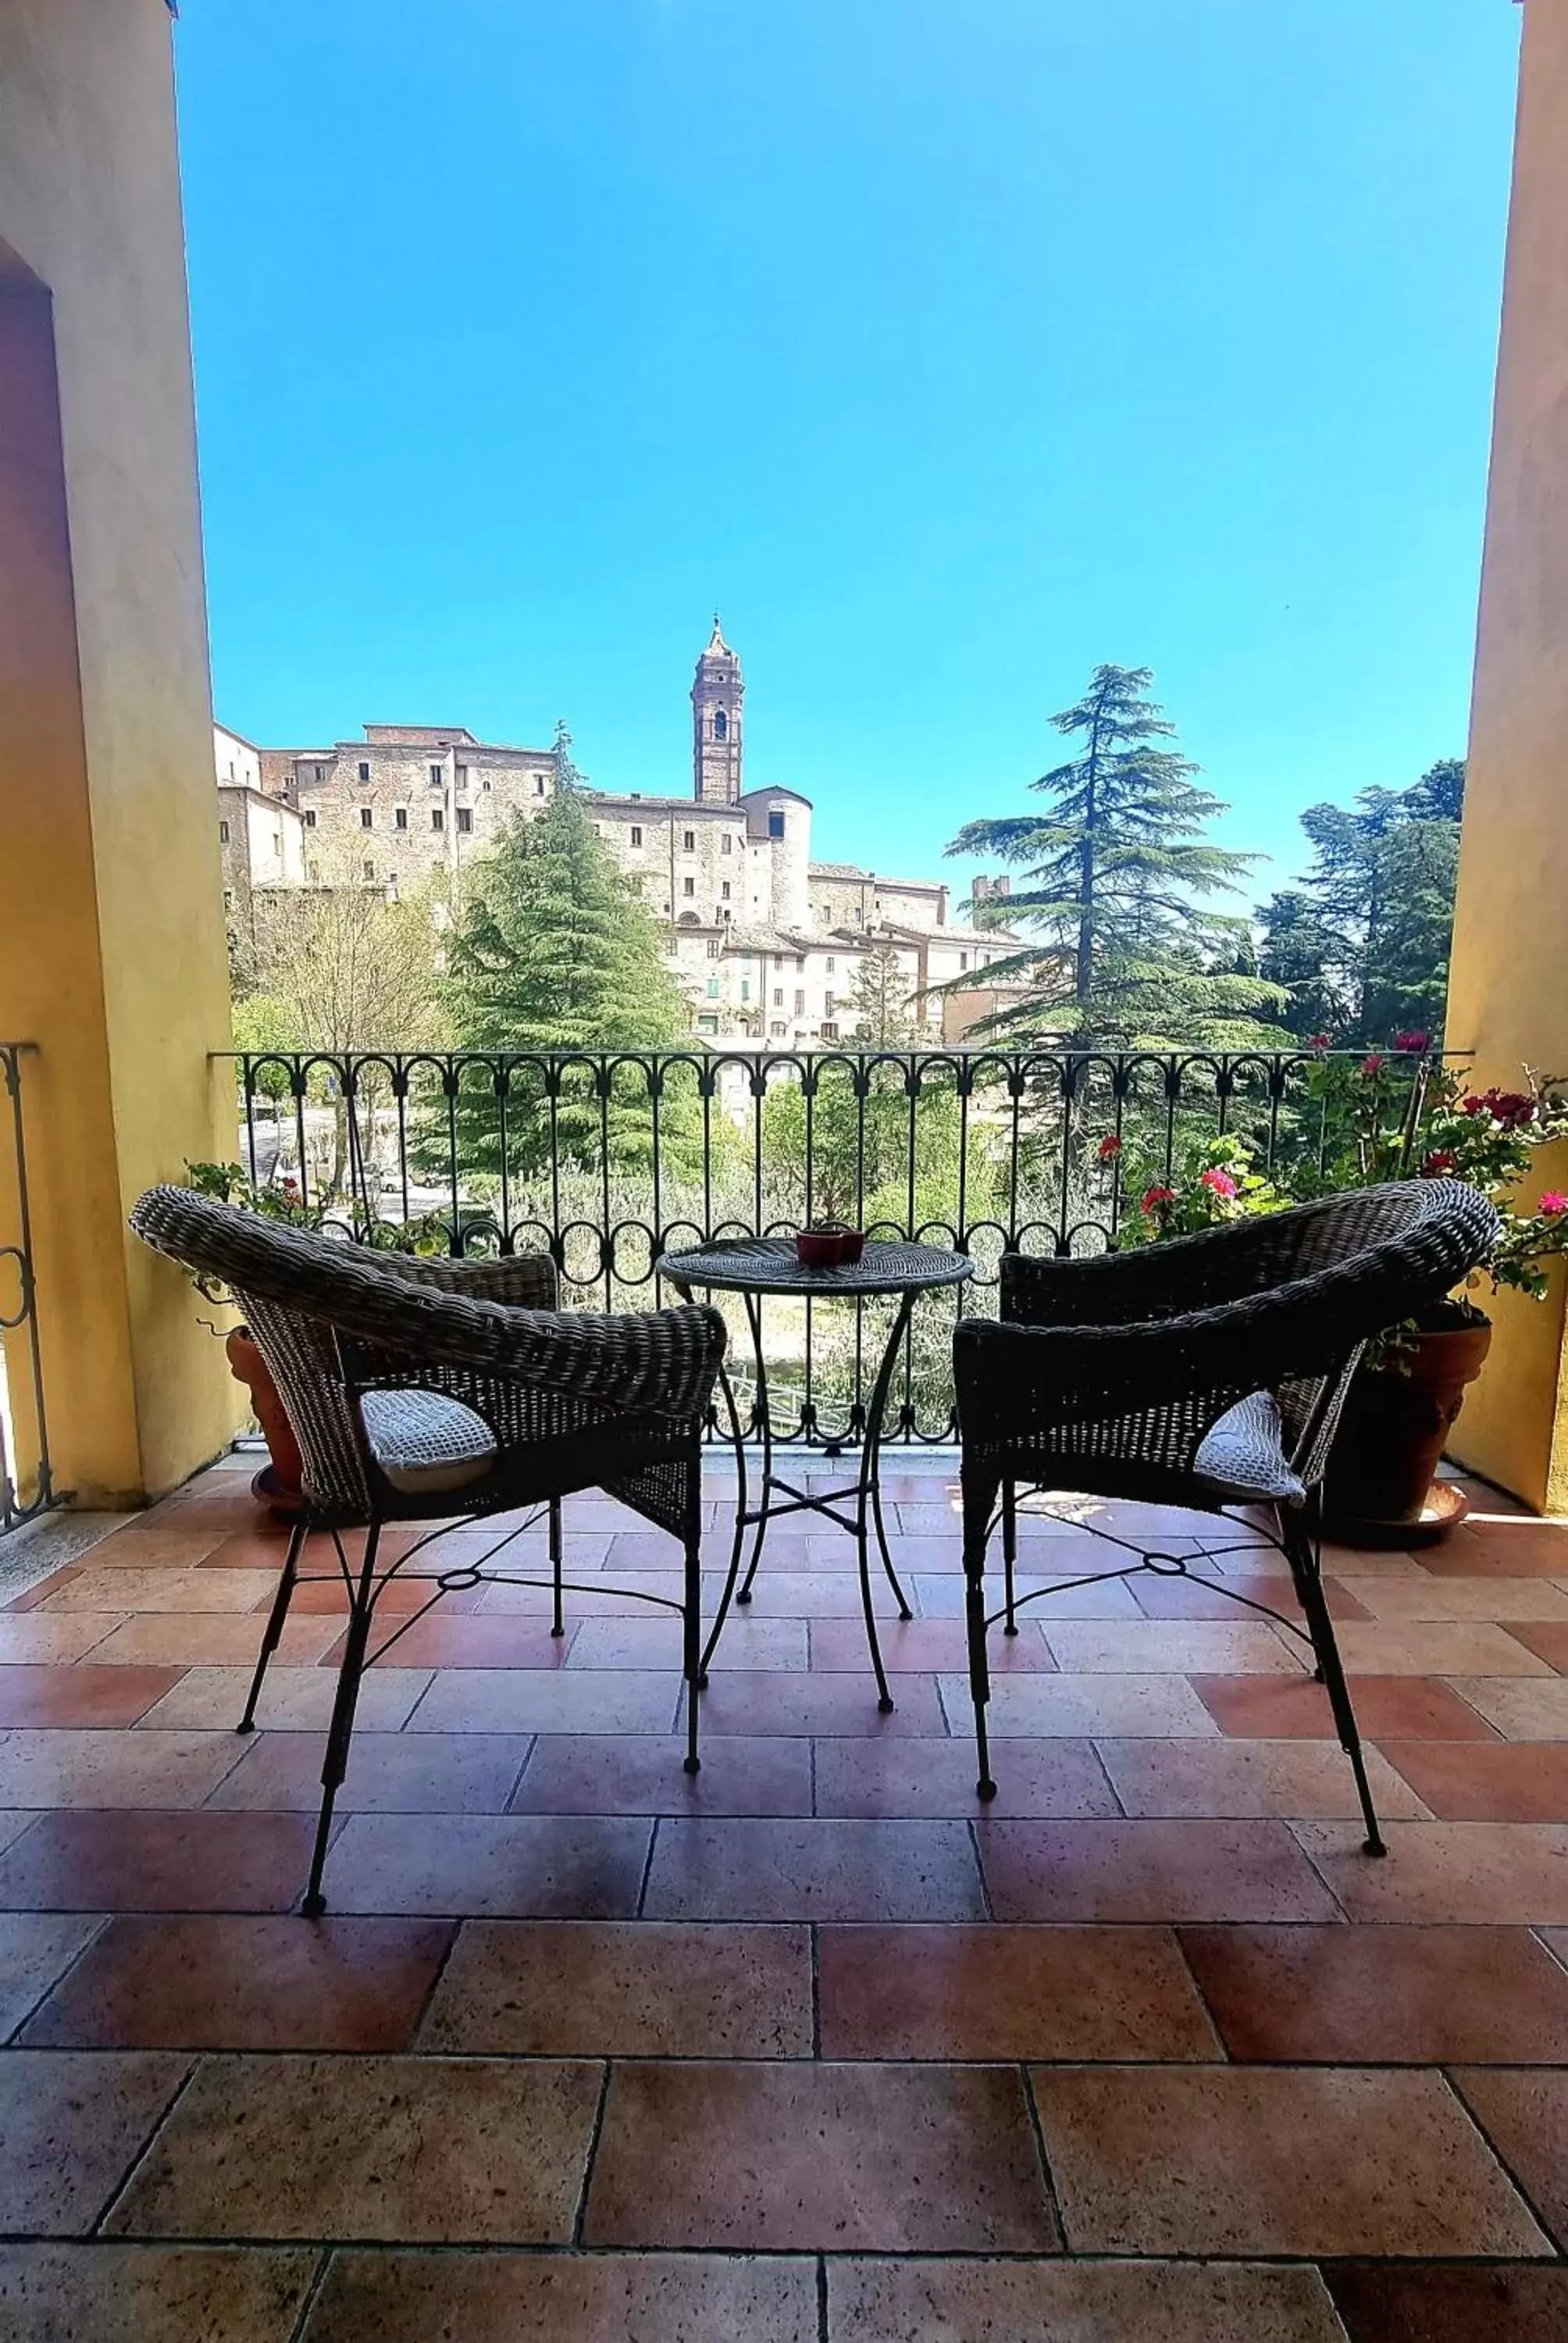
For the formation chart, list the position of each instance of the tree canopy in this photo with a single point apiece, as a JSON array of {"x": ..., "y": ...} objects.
[
  {"x": 1362, "y": 943},
  {"x": 1123, "y": 944}
]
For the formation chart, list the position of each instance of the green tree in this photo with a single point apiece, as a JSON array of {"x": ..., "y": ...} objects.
[
  {"x": 1297, "y": 954},
  {"x": 882, "y": 1003},
  {"x": 551, "y": 951},
  {"x": 1124, "y": 946},
  {"x": 1381, "y": 890}
]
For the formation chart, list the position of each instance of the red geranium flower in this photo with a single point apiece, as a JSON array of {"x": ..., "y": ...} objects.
[
  {"x": 1317, "y": 1040},
  {"x": 1109, "y": 1148},
  {"x": 1440, "y": 1161},
  {"x": 1412, "y": 1044},
  {"x": 1155, "y": 1197},
  {"x": 1371, "y": 1067},
  {"x": 1219, "y": 1182}
]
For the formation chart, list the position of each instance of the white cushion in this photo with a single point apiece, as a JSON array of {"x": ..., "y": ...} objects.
[
  {"x": 425, "y": 1443},
  {"x": 1243, "y": 1451}
]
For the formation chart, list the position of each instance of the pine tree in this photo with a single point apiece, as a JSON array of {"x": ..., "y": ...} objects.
[
  {"x": 1117, "y": 871},
  {"x": 882, "y": 1000},
  {"x": 553, "y": 953},
  {"x": 1298, "y": 951},
  {"x": 1380, "y": 893}
]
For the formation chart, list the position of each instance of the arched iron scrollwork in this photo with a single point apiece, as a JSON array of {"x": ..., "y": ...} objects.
[{"x": 607, "y": 1158}]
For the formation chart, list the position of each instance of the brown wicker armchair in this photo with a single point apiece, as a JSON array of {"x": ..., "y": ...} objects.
[
  {"x": 435, "y": 1391},
  {"x": 1208, "y": 1373}
]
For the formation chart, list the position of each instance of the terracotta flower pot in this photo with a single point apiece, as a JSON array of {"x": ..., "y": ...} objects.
[
  {"x": 1395, "y": 1428},
  {"x": 279, "y": 1485}
]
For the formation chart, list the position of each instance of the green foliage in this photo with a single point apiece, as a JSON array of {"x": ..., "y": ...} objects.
[
  {"x": 553, "y": 953},
  {"x": 1124, "y": 948},
  {"x": 861, "y": 1152},
  {"x": 1214, "y": 1181},
  {"x": 883, "y": 1010},
  {"x": 1363, "y": 944}
]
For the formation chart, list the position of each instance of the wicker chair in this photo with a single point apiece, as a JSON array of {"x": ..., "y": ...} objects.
[
  {"x": 438, "y": 1390},
  {"x": 1208, "y": 1373}
]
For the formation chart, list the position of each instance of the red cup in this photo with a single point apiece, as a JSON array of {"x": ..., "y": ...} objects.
[
  {"x": 819, "y": 1248},
  {"x": 851, "y": 1245}
]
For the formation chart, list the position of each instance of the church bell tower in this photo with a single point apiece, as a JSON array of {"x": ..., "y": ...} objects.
[{"x": 716, "y": 723}]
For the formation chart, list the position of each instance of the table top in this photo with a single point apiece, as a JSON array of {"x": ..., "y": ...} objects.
[{"x": 768, "y": 1265}]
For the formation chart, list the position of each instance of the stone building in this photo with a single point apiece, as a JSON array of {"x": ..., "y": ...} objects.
[
  {"x": 768, "y": 943},
  {"x": 260, "y": 837}
]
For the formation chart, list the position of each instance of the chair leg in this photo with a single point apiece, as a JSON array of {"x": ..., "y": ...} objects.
[
  {"x": 340, "y": 1733},
  {"x": 1009, "y": 1549},
  {"x": 1302, "y": 1555},
  {"x": 977, "y": 1500},
  {"x": 274, "y": 1635},
  {"x": 558, "y": 1623},
  {"x": 691, "y": 1640}
]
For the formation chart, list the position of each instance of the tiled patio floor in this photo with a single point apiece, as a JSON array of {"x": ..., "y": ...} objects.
[{"x": 809, "y": 2048}]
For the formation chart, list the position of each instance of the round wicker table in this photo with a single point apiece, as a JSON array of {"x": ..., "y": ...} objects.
[{"x": 755, "y": 1267}]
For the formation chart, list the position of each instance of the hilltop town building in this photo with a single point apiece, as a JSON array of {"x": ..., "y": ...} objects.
[{"x": 768, "y": 943}]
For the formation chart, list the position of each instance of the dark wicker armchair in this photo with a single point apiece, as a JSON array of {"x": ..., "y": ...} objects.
[
  {"x": 1208, "y": 1373},
  {"x": 438, "y": 1391}
]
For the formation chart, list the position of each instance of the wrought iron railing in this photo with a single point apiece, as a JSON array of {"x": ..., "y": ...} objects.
[
  {"x": 26, "y": 1481},
  {"x": 606, "y": 1159}
]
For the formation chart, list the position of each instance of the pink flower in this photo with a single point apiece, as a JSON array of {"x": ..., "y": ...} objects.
[
  {"x": 1155, "y": 1197},
  {"x": 1317, "y": 1040},
  {"x": 1218, "y": 1182},
  {"x": 1109, "y": 1148},
  {"x": 1371, "y": 1067},
  {"x": 1412, "y": 1044},
  {"x": 1553, "y": 1202}
]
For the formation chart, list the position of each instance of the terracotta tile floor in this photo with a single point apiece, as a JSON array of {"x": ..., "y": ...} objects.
[{"x": 808, "y": 2047}]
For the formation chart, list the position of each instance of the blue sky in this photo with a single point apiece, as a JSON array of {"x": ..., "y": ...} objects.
[{"x": 948, "y": 345}]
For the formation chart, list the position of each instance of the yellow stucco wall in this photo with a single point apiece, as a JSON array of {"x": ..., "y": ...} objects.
[
  {"x": 112, "y": 954},
  {"x": 1508, "y": 999}
]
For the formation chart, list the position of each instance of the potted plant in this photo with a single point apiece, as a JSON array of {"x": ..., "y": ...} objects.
[
  {"x": 1391, "y": 1116},
  {"x": 278, "y": 1483}
]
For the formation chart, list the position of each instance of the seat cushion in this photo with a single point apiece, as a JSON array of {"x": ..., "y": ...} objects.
[
  {"x": 425, "y": 1443},
  {"x": 1243, "y": 1451}
]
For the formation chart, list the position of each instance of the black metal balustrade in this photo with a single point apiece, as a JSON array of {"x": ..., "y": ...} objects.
[
  {"x": 27, "y": 1483},
  {"x": 606, "y": 1159}
]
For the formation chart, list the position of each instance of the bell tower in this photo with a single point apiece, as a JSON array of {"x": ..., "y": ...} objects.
[{"x": 716, "y": 727}]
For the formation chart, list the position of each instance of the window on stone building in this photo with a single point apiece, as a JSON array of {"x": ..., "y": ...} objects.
[
  {"x": 369, "y": 869},
  {"x": 713, "y": 987},
  {"x": 777, "y": 959},
  {"x": 637, "y": 833},
  {"x": 799, "y": 1005},
  {"x": 720, "y": 725},
  {"x": 726, "y": 844},
  {"x": 321, "y": 772},
  {"x": 800, "y": 959},
  {"x": 310, "y": 817},
  {"x": 827, "y": 1004},
  {"x": 779, "y": 995},
  {"x": 778, "y": 1028},
  {"x": 367, "y": 817},
  {"x": 400, "y": 819},
  {"x": 713, "y": 948},
  {"x": 775, "y": 825},
  {"x": 363, "y": 770},
  {"x": 465, "y": 817},
  {"x": 745, "y": 987},
  {"x": 724, "y": 889},
  {"x": 689, "y": 886},
  {"x": 829, "y": 1031},
  {"x": 437, "y": 819},
  {"x": 727, "y": 916},
  {"x": 689, "y": 842},
  {"x": 486, "y": 782},
  {"x": 829, "y": 963},
  {"x": 434, "y": 777},
  {"x": 462, "y": 772},
  {"x": 707, "y": 1024},
  {"x": 539, "y": 785},
  {"x": 963, "y": 961},
  {"x": 223, "y": 834}
]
